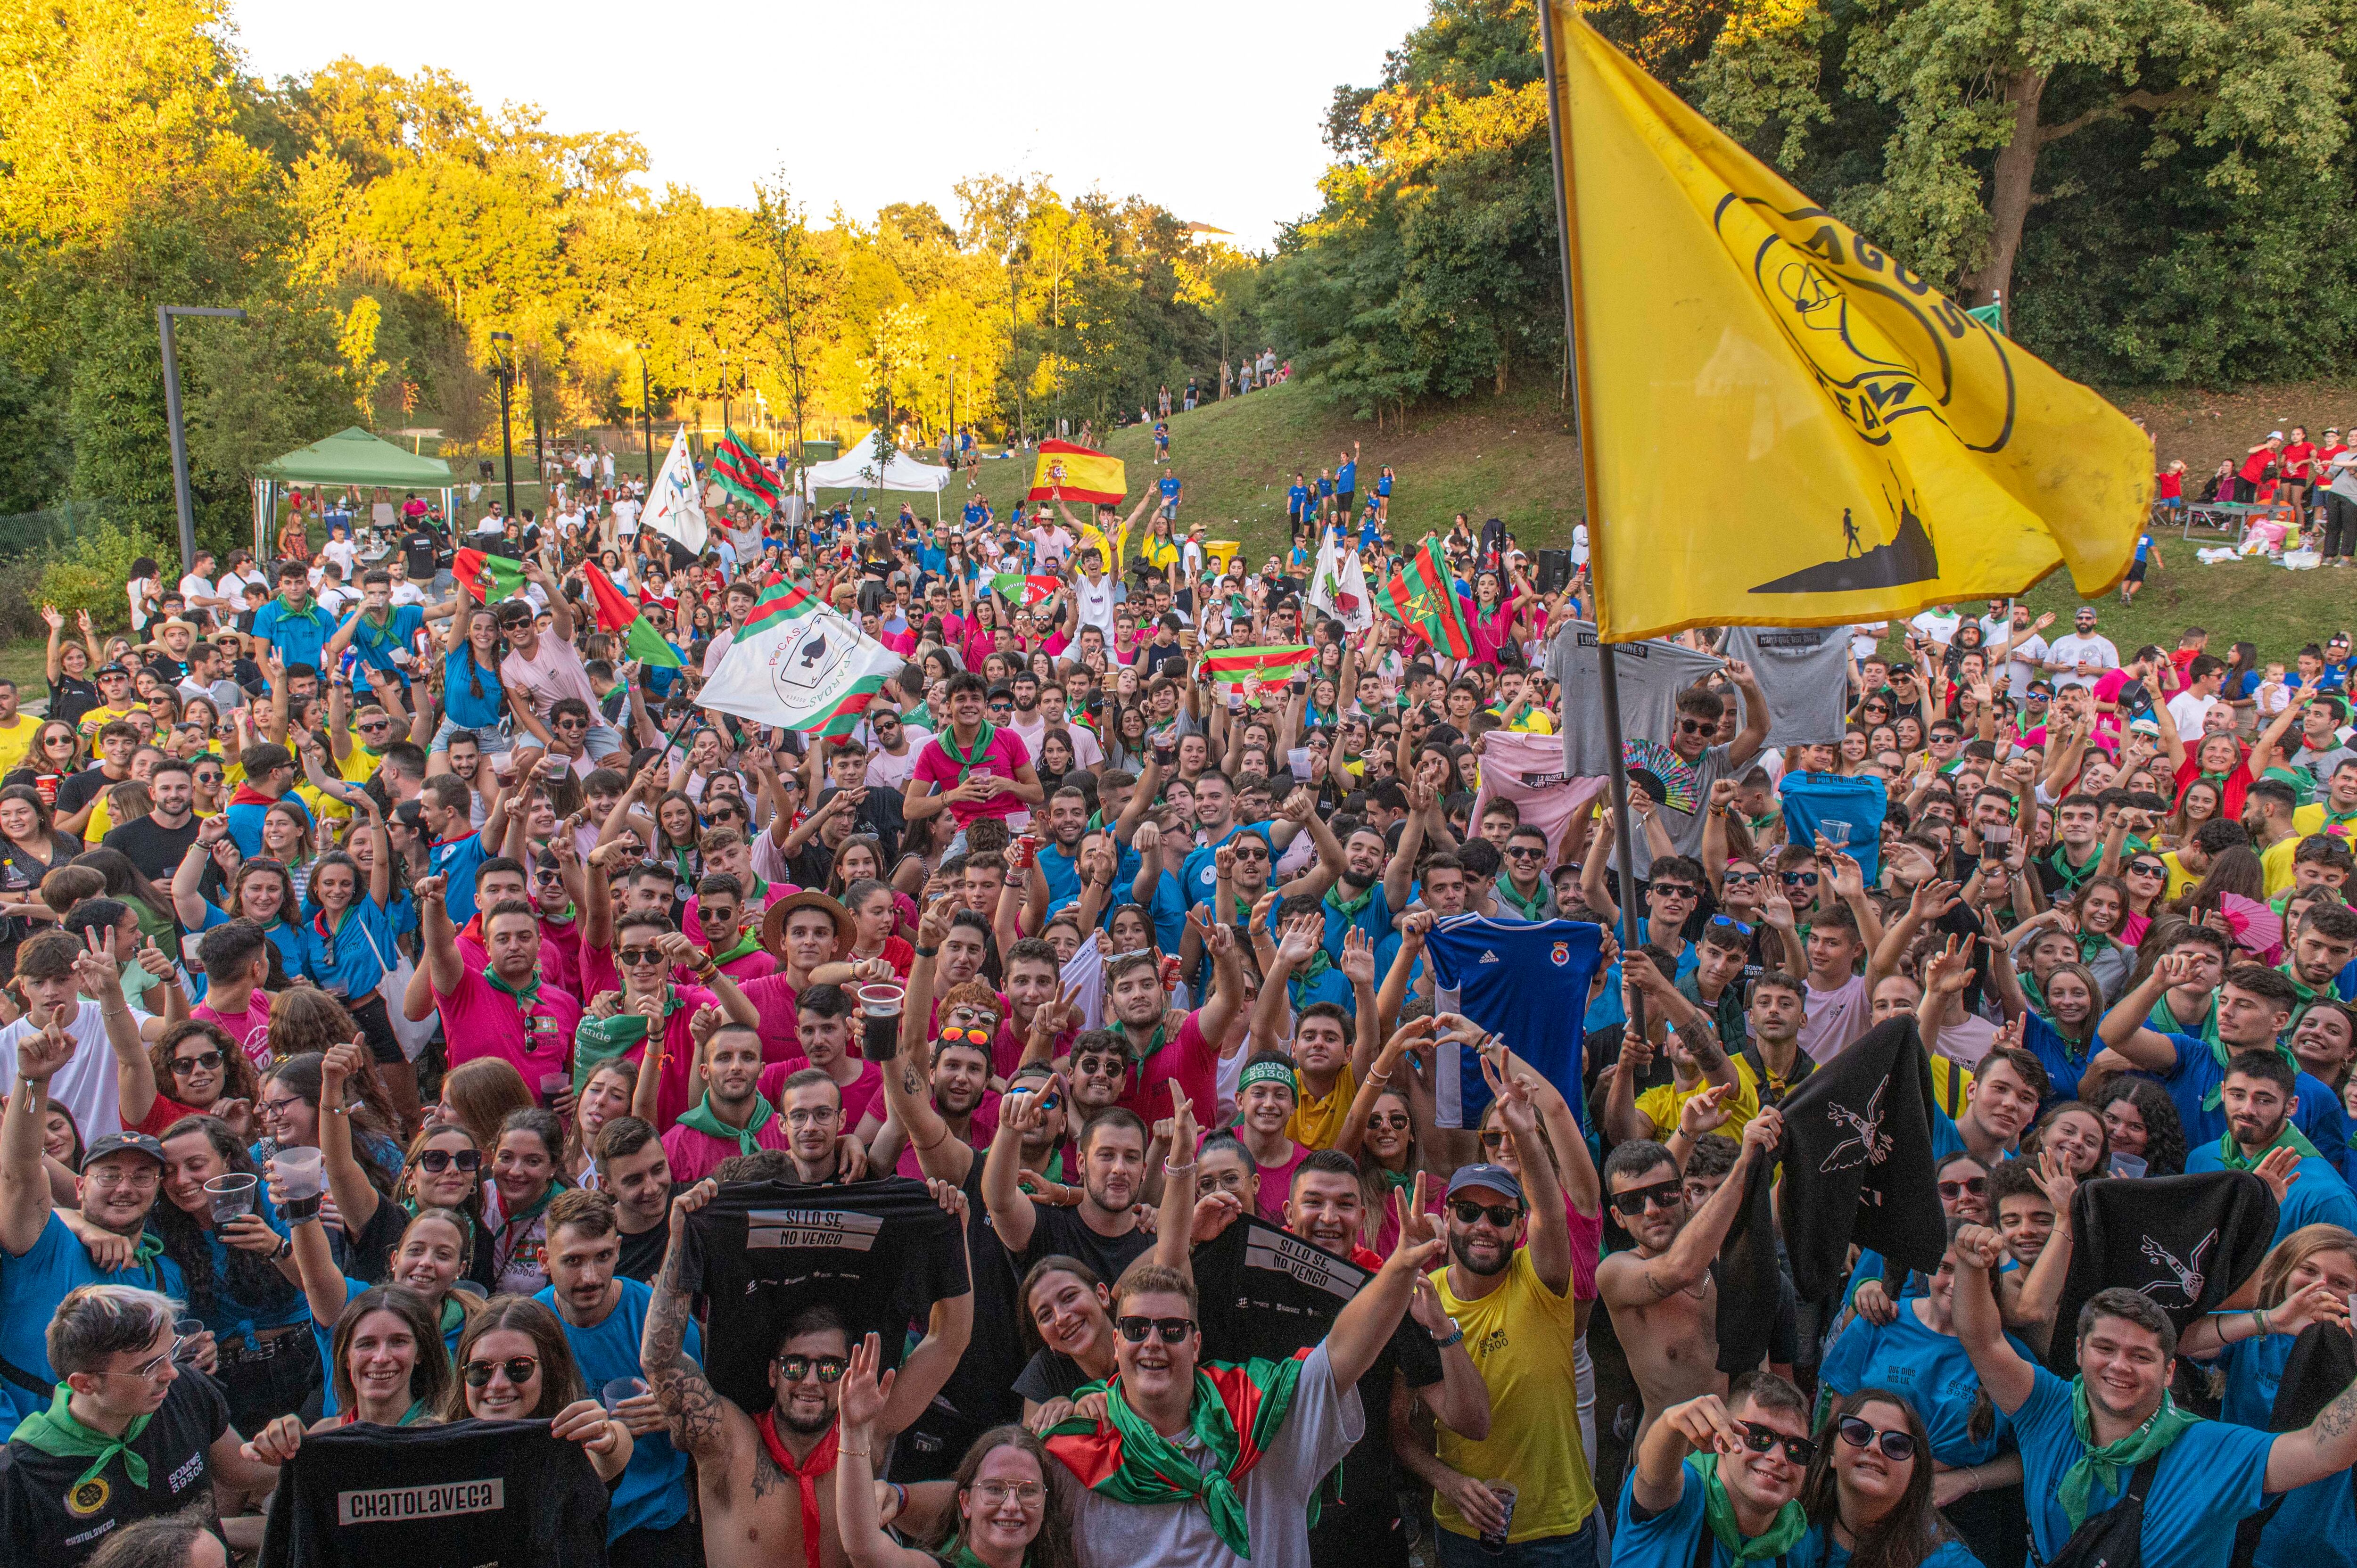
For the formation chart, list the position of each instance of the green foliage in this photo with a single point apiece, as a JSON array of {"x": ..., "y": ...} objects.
[{"x": 88, "y": 572}]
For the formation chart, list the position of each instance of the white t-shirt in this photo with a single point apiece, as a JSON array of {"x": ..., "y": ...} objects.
[
  {"x": 343, "y": 552},
  {"x": 886, "y": 771},
  {"x": 1836, "y": 1018},
  {"x": 2025, "y": 665},
  {"x": 1096, "y": 603},
  {"x": 1864, "y": 637},
  {"x": 406, "y": 592},
  {"x": 194, "y": 588},
  {"x": 2072, "y": 649},
  {"x": 626, "y": 516},
  {"x": 86, "y": 1085},
  {"x": 1940, "y": 629},
  {"x": 2190, "y": 709},
  {"x": 1579, "y": 544},
  {"x": 233, "y": 585}
]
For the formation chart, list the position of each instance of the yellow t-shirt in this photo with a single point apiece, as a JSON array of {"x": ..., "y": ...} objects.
[
  {"x": 2180, "y": 879},
  {"x": 16, "y": 742},
  {"x": 98, "y": 719},
  {"x": 1316, "y": 1124},
  {"x": 2276, "y": 861},
  {"x": 2308, "y": 818},
  {"x": 1662, "y": 1106},
  {"x": 1521, "y": 1336}
]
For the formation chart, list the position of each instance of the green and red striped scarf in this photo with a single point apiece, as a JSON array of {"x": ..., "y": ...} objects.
[{"x": 1236, "y": 1413}]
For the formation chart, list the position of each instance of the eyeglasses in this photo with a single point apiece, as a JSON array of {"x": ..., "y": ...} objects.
[
  {"x": 1976, "y": 1186},
  {"x": 994, "y": 1494},
  {"x": 1395, "y": 1119},
  {"x": 1763, "y": 1439},
  {"x": 1502, "y": 1215},
  {"x": 1671, "y": 890},
  {"x": 204, "y": 1061},
  {"x": 1898, "y": 1446},
  {"x": 278, "y": 1107},
  {"x": 1722, "y": 921},
  {"x": 149, "y": 1370},
  {"x": 437, "y": 1161},
  {"x": 1696, "y": 727},
  {"x": 519, "y": 1370},
  {"x": 1635, "y": 1200},
  {"x": 1170, "y": 1330},
  {"x": 637, "y": 956},
  {"x": 1798, "y": 878},
  {"x": 830, "y": 1369}
]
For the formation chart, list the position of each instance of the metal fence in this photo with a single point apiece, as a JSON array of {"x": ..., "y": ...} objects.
[{"x": 28, "y": 532}]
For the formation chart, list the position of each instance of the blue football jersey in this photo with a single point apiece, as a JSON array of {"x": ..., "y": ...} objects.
[{"x": 1524, "y": 980}]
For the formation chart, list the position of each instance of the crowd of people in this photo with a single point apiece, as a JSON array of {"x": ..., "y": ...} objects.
[{"x": 1105, "y": 1110}]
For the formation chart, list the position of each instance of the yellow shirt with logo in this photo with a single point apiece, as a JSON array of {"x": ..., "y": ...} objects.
[
  {"x": 1664, "y": 1105},
  {"x": 98, "y": 719},
  {"x": 1318, "y": 1122},
  {"x": 16, "y": 742},
  {"x": 2180, "y": 879},
  {"x": 1522, "y": 1338}
]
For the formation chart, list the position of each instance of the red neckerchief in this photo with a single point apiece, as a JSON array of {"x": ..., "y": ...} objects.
[
  {"x": 247, "y": 795},
  {"x": 806, "y": 1475}
]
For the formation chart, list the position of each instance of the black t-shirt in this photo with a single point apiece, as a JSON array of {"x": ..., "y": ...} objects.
[
  {"x": 48, "y": 1515},
  {"x": 76, "y": 791},
  {"x": 501, "y": 1492},
  {"x": 155, "y": 850},
  {"x": 879, "y": 1253},
  {"x": 642, "y": 1254},
  {"x": 1051, "y": 1375},
  {"x": 982, "y": 1388},
  {"x": 170, "y": 671},
  {"x": 70, "y": 696},
  {"x": 1059, "y": 1231},
  {"x": 419, "y": 548}
]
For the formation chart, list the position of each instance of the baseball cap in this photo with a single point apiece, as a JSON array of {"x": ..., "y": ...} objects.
[
  {"x": 113, "y": 669},
  {"x": 116, "y": 1142},
  {"x": 1497, "y": 1178},
  {"x": 2275, "y": 434},
  {"x": 2144, "y": 727}
]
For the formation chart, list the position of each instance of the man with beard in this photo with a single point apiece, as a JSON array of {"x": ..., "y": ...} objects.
[
  {"x": 603, "y": 1316},
  {"x": 1779, "y": 1003},
  {"x": 729, "y": 940},
  {"x": 762, "y": 1481},
  {"x": 1726, "y": 1471},
  {"x": 1661, "y": 1291},
  {"x": 2084, "y": 1441},
  {"x": 1163, "y": 1044},
  {"x": 1101, "y": 1230},
  {"x": 732, "y": 1118},
  {"x": 958, "y": 1079},
  {"x": 2321, "y": 948},
  {"x": 634, "y": 1170},
  {"x": 1034, "y": 974},
  {"x": 1093, "y": 1084},
  {"x": 2257, "y": 1100},
  {"x": 1697, "y": 1061},
  {"x": 1508, "y": 1286},
  {"x": 505, "y": 1010},
  {"x": 1216, "y": 824},
  {"x": 2254, "y": 1008}
]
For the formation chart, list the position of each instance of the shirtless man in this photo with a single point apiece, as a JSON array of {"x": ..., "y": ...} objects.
[
  {"x": 1662, "y": 1292},
  {"x": 752, "y": 1504}
]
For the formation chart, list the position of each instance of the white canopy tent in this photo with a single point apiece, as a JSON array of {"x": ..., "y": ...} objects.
[{"x": 855, "y": 470}]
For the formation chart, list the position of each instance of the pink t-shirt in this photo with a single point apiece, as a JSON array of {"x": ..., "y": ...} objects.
[
  {"x": 768, "y": 893},
  {"x": 480, "y": 1020},
  {"x": 772, "y": 996},
  {"x": 250, "y": 1029},
  {"x": 857, "y": 1096},
  {"x": 1001, "y": 758},
  {"x": 553, "y": 672},
  {"x": 979, "y": 1131},
  {"x": 1187, "y": 1056},
  {"x": 694, "y": 1155}
]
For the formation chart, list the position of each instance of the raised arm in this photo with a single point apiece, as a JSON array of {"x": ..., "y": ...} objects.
[
  {"x": 2123, "y": 1029},
  {"x": 356, "y": 1198},
  {"x": 1011, "y": 1214},
  {"x": 1549, "y": 1243},
  {"x": 2009, "y": 1380},
  {"x": 1365, "y": 1324},
  {"x": 443, "y": 964},
  {"x": 24, "y": 1196},
  {"x": 698, "y": 1418}
]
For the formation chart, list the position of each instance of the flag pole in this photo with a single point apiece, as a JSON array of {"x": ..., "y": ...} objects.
[{"x": 1624, "y": 841}]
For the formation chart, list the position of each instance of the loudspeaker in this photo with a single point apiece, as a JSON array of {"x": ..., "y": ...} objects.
[{"x": 1554, "y": 571}]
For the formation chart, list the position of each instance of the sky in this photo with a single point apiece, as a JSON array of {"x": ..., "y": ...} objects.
[{"x": 1211, "y": 109}]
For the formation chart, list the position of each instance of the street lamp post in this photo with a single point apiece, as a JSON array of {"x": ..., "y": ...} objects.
[
  {"x": 647, "y": 416},
  {"x": 951, "y": 444},
  {"x": 164, "y": 314},
  {"x": 507, "y": 385}
]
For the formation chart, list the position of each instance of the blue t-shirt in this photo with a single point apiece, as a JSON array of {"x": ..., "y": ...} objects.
[
  {"x": 245, "y": 820},
  {"x": 30, "y": 1288},
  {"x": 458, "y": 860},
  {"x": 652, "y": 1492},
  {"x": 293, "y": 954},
  {"x": 342, "y": 961},
  {"x": 1063, "y": 875},
  {"x": 459, "y": 702},
  {"x": 323, "y": 1335},
  {"x": 1818, "y": 1549},
  {"x": 227, "y": 1314},
  {"x": 1346, "y": 479},
  {"x": 2064, "y": 1070},
  {"x": 375, "y": 644},
  {"x": 1669, "y": 1539},
  {"x": 2318, "y": 1112},
  {"x": 1199, "y": 877},
  {"x": 297, "y": 635},
  {"x": 2317, "y": 1525},
  {"x": 1928, "y": 1367},
  {"x": 1382, "y": 484},
  {"x": 1296, "y": 498},
  {"x": 2212, "y": 1477},
  {"x": 1325, "y": 487},
  {"x": 1170, "y": 488},
  {"x": 1168, "y": 911},
  {"x": 2317, "y": 1195}
]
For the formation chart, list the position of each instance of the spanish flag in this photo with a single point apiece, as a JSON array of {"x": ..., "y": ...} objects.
[
  {"x": 1863, "y": 447},
  {"x": 1078, "y": 474}
]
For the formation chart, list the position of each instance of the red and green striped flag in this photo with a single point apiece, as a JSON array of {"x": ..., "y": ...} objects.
[
  {"x": 800, "y": 664},
  {"x": 1018, "y": 589},
  {"x": 488, "y": 577},
  {"x": 1422, "y": 594},
  {"x": 1256, "y": 668},
  {"x": 640, "y": 641},
  {"x": 739, "y": 469}
]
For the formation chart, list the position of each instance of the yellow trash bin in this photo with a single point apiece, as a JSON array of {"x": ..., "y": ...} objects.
[{"x": 1222, "y": 554}]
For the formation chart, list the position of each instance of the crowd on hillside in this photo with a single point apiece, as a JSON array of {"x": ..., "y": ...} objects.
[{"x": 467, "y": 1100}]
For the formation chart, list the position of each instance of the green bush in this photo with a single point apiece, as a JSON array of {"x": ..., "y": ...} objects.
[{"x": 89, "y": 572}]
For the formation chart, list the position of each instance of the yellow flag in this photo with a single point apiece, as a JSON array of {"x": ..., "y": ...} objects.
[
  {"x": 1078, "y": 474},
  {"x": 1784, "y": 427}
]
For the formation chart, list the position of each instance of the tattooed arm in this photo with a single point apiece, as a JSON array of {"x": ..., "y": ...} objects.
[
  {"x": 696, "y": 1417},
  {"x": 2325, "y": 1446}
]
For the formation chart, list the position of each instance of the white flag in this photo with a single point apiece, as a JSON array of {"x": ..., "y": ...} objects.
[
  {"x": 1337, "y": 587},
  {"x": 674, "y": 509},
  {"x": 799, "y": 664}
]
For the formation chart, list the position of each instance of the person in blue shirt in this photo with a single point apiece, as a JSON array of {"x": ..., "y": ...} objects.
[
  {"x": 2256, "y": 1099},
  {"x": 1717, "y": 1481},
  {"x": 1169, "y": 486},
  {"x": 1383, "y": 494},
  {"x": 1324, "y": 494},
  {"x": 382, "y": 633},
  {"x": 2082, "y": 1439},
  {"x": 1346, "y": 481},
  {"x": 604, "y": 1315},
  {"x": 1869, "y": 1493},
  {"x": 1297, "y": 501},
  {"x": 471, "y": 697},
  {"x": 294, "y": 624},
  {"x": 2308, "y": 1277}
]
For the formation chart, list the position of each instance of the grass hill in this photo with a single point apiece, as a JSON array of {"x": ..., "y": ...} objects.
[{"x": 1514, "y": 457}]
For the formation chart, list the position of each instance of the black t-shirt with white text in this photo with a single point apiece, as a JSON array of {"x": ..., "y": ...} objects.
[{"x": 50, "y": 1515}]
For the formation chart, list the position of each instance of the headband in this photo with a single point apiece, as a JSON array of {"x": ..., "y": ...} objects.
[{"x": 1268, "y": 1072}]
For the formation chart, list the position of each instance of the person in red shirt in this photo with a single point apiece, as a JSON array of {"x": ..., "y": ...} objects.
[
  {"x": 2256, "y": 464},
  {"x": 2298, "y": 470}
]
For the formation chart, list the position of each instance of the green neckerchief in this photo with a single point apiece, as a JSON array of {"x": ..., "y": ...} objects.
[
  {"x": 1349, "y": 907},
  {"x": 1399, "y": 1180},
  {"x": 526, "y": 996},
  {"x": 746, "y": 942},
  {"x": 56, "y": 1432},
  {"x": 2073, "y": 876},
  {"x": 2230, "y": 1153},
  {"x": 706, "y": 1121},
  {"x": 1718, "y": 1512},
  {"x": 2164, "y": 1426},
  {"x": 965, "y": 1558},
  {"x": 1319, "y": 967},
  {"x": 2300, "y": 988},
  {"x": 596, "y": 1041},
  {"x": 966, "y": 759},
  {"x": 1504, "y": 888},
  {"x": 418, "y": 1410},
  {"x": 454, "y": 1312},
  {"x": 1152, "y": 1469}
]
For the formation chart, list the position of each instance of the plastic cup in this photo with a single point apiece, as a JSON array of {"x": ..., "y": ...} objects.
[
  {"x": 230, "y": 1196},
  {"x": 553, "y": 1084},
  {"x": 300, "y": 1180},
  {"x": 2125, "y": 1164},
  {"x": 1836, "y": 833},
  {"x": 1494, "y": 1543},
  {"x": 879, "y": 1007},
  {"x": 1298, "y": 760},
  {"x": 617, "y": 1390}
]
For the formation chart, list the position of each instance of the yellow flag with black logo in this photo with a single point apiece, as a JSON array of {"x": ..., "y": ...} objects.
[{"x": 1784, "y": 427}]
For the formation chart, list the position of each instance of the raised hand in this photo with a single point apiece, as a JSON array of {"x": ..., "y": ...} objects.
[
  {"x": 1705, "y": 1112},
  {"x": 1357, "y": 962}
]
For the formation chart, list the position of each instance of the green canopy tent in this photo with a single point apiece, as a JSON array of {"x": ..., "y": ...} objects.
[{"x": 351, "y": 457}]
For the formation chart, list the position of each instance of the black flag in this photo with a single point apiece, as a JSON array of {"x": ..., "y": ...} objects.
[
  {"x": 1858, "y": 1161},
  {"x": 2187, "y": 1241}
]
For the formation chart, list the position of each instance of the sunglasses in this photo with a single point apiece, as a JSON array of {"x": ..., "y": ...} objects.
[
  {"x": 1743, "y": 878},
  {"x": 635, "y": 956},
  {"x": 437, "y": 1161},
  {"x": 206, "y": 1062},
  {"x": 519, "y": 1370},
  {"x": 1172, "y": 1330},
  {"x": 830, "y": 1369},
  {"x": 1671, "y": 890},
  {"x": 1722, "y": 921},
  {"x": 1762, "y": 1439},
  {"x": 1897, "y": 1446},
  {"x": 1976, "y": 1186},
  {"x": 1502, "y": 1215},
  {"x": 1635, "y": 1200},
  {"x": 1798, "y": 878},
  {"x": 2147, "y": 868},
  {"x": 1396, "y": 1120},
  {"x": 953, "y": 1035},
  {"x": 1696, "y": 727},
  {"x": 1525, "y": 851}
]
